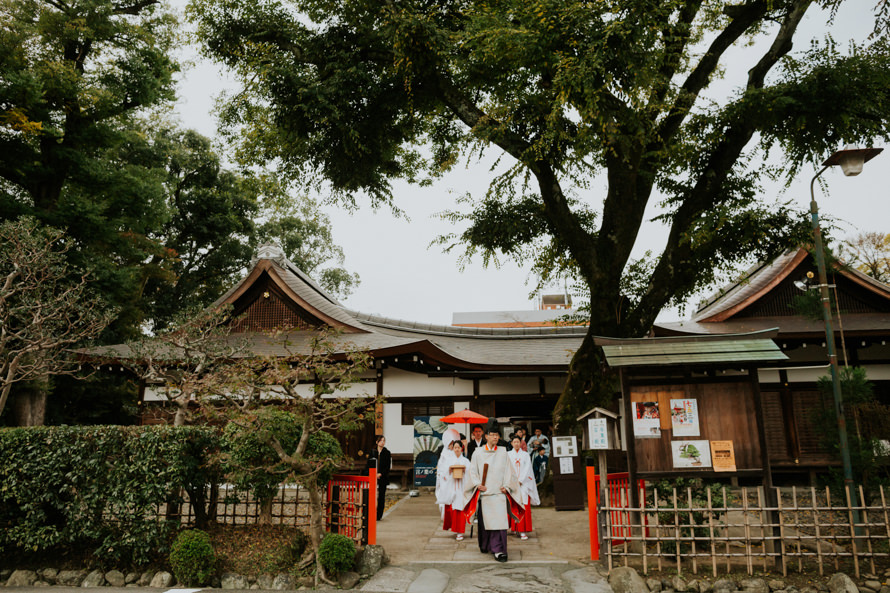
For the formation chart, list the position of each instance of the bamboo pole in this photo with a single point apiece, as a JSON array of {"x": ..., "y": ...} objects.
[
  {"x": 677, "y": 533},
  {"x": 643, "y": 531},
  {"x": 852, "y": 531},
  {"x": 871, "y": 557},
  {"x": 748, "y": 559},
  {"x": 692, "y": 531},
  {"x": 765, "y": 525},
  {"x": 711, "y": 534},
  {"x": 657, "y": 530},
  {"x": 818, "y": 539},
  {"x": 797, "y": 527},
  {"x": 726, "y": 529},
  {"x": 781, "y": 543}
]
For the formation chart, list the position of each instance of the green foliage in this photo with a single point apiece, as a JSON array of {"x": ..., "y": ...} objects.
[
  {"x": 867, "y": 457},
  {"x": 359, "y": 94},
  {"x": 689, "y": 492},
  {"x": 337, "y": 553},
  {"x": 97, "y": 488},
  {"x": 252, "y": 464},
  {"x": 192, "y": 558}
]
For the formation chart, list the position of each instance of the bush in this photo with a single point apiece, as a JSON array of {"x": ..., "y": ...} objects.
[
  {"x": 96, "y": 488},
  {"x": 192, "y": 558},
  {"x": 336, "y": 553}
]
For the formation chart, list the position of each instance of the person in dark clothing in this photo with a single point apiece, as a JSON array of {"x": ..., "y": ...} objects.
[
  {"x": 477, "y": 441},
  {"x": 384, "y": 464}
]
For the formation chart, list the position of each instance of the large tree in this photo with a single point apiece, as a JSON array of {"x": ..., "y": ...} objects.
[{"x": 362, "y": 92}]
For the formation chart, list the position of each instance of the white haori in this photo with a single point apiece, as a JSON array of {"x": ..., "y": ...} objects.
[
  {"x": 448, "y": 490},
  {"x": 522, "y": 467},
  {"x": 493, "y": 502}
]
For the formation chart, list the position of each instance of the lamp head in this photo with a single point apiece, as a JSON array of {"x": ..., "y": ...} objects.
[{"x": 851, "y": 159}]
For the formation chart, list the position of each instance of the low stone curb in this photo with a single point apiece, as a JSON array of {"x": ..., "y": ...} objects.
[
  {"x": 626, "y": 579},
  {"x": 368, "y": 561}
]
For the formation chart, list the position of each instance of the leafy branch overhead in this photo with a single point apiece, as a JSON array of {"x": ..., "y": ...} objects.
[{"x": 599, "y": 111}]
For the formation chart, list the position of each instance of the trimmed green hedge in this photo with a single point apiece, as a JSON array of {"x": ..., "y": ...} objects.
[{"x": 97, "y": 488}]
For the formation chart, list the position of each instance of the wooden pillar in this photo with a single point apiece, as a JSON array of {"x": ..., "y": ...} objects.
[
  {"x": 631, "y": 445},
  {"x": 768, "y": 491}
]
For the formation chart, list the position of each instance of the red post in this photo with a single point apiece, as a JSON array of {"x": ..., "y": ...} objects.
[
  {"x": 372, "y": 505},
  {"x": 593, "y": 512}
]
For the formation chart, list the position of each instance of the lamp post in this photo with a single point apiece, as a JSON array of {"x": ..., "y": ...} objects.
[{"x": 850, "y": 160}]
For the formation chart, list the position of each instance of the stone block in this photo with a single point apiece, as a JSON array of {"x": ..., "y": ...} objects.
[
  {"x": 22, "y": 578},
  {"x": 71, "y": 578},
  {"x": 95, "y": 579},
  {"x": 626, "y": 579},
  {"x": 115, "y": 578},
  {"x": 162, "y": 579}
]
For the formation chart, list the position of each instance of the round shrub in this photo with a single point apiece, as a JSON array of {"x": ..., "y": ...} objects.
[
  {"x": 336, "y": 553},
  {"x": 192, "y": 558}
]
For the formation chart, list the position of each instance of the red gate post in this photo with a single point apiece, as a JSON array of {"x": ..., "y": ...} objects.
[
  {"x": 593, "y": 511},
  {"x": 372, "y": 504}
]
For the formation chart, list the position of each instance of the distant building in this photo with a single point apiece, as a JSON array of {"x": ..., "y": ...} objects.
[{"x": 553, "y": 310}]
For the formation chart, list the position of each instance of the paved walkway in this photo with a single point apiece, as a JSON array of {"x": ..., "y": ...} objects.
[{"x": 426, "y": 559}]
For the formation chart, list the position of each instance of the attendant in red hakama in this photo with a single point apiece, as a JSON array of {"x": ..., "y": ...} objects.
[
  {"x": 522, "y": 467},
  {"x": 450, "y": 472}
]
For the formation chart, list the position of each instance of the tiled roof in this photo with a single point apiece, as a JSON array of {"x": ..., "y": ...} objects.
[{"x": 751, "y": 283}]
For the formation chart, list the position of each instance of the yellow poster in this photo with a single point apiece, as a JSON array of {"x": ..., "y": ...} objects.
[{"x": 723, "y": 456}]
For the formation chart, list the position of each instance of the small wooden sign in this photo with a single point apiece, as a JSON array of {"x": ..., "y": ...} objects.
[{"x": 723, "y": 456}]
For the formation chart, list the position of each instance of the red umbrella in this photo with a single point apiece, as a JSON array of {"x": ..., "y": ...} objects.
[{"x": 465, "y": 417}]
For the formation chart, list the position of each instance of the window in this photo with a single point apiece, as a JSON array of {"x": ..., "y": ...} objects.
[{"x": 422, "y": 408}]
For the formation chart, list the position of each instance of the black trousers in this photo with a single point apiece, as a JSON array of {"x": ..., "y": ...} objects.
[{"x": 381, "y": 496}]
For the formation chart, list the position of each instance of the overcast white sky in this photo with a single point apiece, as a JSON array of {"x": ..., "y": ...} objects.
[{"x": 402, "y": 277}]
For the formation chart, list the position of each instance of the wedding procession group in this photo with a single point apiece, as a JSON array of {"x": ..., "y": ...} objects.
[{"x": 492, "y": 487}]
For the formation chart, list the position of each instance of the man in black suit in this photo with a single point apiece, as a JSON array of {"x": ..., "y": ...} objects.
[{"x": 477, "y": 441}]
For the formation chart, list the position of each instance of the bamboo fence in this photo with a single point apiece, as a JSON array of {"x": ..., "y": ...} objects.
[{"x": 799, "y": 529}]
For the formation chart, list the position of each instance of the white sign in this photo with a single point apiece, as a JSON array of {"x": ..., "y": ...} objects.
[
  {"x": 565, "y": 446},
  {"x": 565, "y": 466},
  {"x": 691, "y": 453},
  {"x": 684, "y": 417},
  {"x": 598, "y": 433}
]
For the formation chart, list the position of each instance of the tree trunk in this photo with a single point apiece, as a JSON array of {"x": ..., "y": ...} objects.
[
  {"x": 590, "y": 383},
  {"x": 29, "y": 405},
  {"x": 265, "y": 517},
  {"x": 179, "y": 418},
  {"x": 316, "y": 527}
]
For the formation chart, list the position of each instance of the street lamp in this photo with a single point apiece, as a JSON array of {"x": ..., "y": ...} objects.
[{"x": 850, "y": 160}]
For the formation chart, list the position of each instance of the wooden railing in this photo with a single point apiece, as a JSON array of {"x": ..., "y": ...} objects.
[{"x": 801, "y": 529}]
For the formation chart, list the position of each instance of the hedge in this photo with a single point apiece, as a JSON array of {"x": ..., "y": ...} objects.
[{"x": 97, "y": 488}]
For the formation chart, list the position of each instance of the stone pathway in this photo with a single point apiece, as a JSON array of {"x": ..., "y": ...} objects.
[
  {"x": 426, "y": 559},
  {"x": 512, "y": 577}
]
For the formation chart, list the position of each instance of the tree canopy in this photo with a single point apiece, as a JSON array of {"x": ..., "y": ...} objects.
[{"x": 360, "y": 93}]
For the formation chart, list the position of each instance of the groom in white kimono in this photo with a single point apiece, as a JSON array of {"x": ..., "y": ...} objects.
[{"x": 493, "y": 488}]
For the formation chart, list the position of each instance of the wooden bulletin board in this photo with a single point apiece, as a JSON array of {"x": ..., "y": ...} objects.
[{"x": 725, "y": 413}]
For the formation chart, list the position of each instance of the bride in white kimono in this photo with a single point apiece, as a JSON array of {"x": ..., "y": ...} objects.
[
  {"x": 450, "y": 489},
  {"x": 522, "y": 466}
]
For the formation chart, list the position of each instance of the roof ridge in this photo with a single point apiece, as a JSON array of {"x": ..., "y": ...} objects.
[{"x": 479, "y": 332}]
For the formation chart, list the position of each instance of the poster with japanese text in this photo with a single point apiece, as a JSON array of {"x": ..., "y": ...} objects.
[
  {"x": 427, "y": 446},
  {"x": 646, "y": 420},
  {"x": 684, "y": 418},
  {"x": 597, "y": 430},
  {"x": 723, "y": 454}
]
